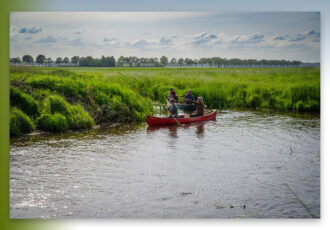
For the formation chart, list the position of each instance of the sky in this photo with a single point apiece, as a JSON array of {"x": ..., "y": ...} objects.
[{"x": 245, "y": 35}]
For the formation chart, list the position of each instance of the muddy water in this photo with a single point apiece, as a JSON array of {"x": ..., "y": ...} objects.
[{"x": 243, "y": 165}]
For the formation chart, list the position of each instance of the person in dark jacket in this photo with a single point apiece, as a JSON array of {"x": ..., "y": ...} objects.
[{"x": 188, "y": 98}]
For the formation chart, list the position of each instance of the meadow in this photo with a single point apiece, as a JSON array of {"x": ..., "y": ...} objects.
[{"x": 60, "y": 99}]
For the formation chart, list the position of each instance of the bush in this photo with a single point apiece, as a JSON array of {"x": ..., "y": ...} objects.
[
  {"x": 24, "y": 102},
  {"x": 58, "y": 115},
  {"x": 53, "y": 122},
  {"x": 20, "y": 123},
  {"x": 254, "y": 101},
  {"x": 81, "y": 118},
  {"x": 56, "y": 104}
]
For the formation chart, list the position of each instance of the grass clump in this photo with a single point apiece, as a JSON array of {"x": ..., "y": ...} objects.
[
  {"x": 20, "y": 123},
  {"x": 23, "y": 101},
  {"x": 58, "y": 115},
  {"x": 56, "y": 122}
]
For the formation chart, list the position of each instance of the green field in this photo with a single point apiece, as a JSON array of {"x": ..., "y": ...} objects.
[{"x": 59, "y": 99}]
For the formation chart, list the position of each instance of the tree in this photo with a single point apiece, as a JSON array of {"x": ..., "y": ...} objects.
[
  {"x": 15, "y": 60},
  {"x": 66, "y": 60},
  {"x": 27, "y": 59},
  {"x": 59, "y": 60},
  {"x": 112, "y": 61},
  {"x": 180, "y": 61},
  {"x": 173, "y": 61},
  {"x": 75, "y": 59},
  {"x": 49, "y": 61},
  {"x": 188, "y": 61},
  {"x": 120, "y": 61},
  {"x": 164, "y": 60},
  {"x": 40, "y": 59}
]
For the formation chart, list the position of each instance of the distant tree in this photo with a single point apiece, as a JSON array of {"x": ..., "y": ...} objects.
[
  {"x": 173, "y": 61},
  {"x": 66, "y": 60},
  {"x": 296, "y": 62},
  {"x": 103, "y": 61},
  {"x": 27, "y": 59},
  {"x": 112, "y": 61},
  {"x": 82, "y": 61},
  {"x": 188, "y": 61},
  {"x": 75, "y": 59},
  {"x": 180, "y": 61},
  {"x": 49, "y": 61},
  {"x": 40, "y": 59},
  {"x": 164, "y": 61},
  {"x": 120, "y": 61},
  {"x": 15, "y": 60},
  {"x": 107, "y": 61},
  {"x": 89, "y": 61},
  {"x": 59, "y": 60}
]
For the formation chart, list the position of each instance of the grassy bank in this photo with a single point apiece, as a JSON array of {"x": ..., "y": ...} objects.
[{"x": 98, "y": 95}]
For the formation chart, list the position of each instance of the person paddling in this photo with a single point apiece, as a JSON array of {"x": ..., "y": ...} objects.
[
  {"x": 189, "y": 97},
  {"x": 199, "y": 107},
  {"x": 173, "y": 108},
  {"x": 172, "y": 94}
]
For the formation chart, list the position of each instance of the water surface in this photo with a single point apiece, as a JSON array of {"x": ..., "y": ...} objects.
[{"x": 243, "y": 165}]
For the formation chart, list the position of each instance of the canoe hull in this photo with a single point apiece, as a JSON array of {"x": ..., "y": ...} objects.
[{"x": 160, "y": 121}]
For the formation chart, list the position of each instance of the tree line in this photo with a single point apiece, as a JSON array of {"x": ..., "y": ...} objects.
[{"x": 133, "y": 61}]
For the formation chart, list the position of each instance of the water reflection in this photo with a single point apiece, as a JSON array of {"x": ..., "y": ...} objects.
[{"x": 173, "y": 129}]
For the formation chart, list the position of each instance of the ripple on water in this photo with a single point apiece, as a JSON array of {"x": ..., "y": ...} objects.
[{"x": 211, "y": 169}]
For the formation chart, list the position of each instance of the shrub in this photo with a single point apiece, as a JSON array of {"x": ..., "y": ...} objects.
[
  {"x": 254, "y": 101},
  {"x": 53, "y": 122},
  {"x": 56, "y": 104},
  {"x": 58, "y": 115},
  {"x": 20, "y": 123},
  {"x": 81, "y": 118},
  {"x": 23, "y": 101}
]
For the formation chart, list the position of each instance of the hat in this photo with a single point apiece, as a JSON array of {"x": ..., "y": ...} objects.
[{"x": 171, "y": 88}]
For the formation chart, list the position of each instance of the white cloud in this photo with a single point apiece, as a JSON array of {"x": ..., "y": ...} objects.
[
  {"x": 48, "y": 39},
  {"x": 204, "y": 38},
  {"x": 175, "y": 34},
  {"x": 80, "y": 31},
  {"x": 248, "y": 38},
  {"x": 31, "y": 30}
]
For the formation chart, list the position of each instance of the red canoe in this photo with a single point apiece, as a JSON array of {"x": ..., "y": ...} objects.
[{"x": 156, "y": 121}]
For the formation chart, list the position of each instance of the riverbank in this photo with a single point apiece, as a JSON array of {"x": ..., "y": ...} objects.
[{"x": 61, "y": 99}]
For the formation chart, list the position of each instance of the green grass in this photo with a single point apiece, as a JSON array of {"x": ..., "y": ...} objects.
[
  {"x": 281, "y": 89},
  {"x": 20, "y": 123},
  {"x": 126, "y": 94}
]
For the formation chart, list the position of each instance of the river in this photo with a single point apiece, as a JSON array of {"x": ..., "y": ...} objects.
[{"x": 243, "y": 165}]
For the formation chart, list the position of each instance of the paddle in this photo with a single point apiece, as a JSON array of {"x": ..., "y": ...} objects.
[
  {"x": 178, "y": 122},
  {"x": 191, "y": 100}
]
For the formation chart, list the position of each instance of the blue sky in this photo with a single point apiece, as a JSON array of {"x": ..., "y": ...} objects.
[{"x": 257, "y": 35}]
